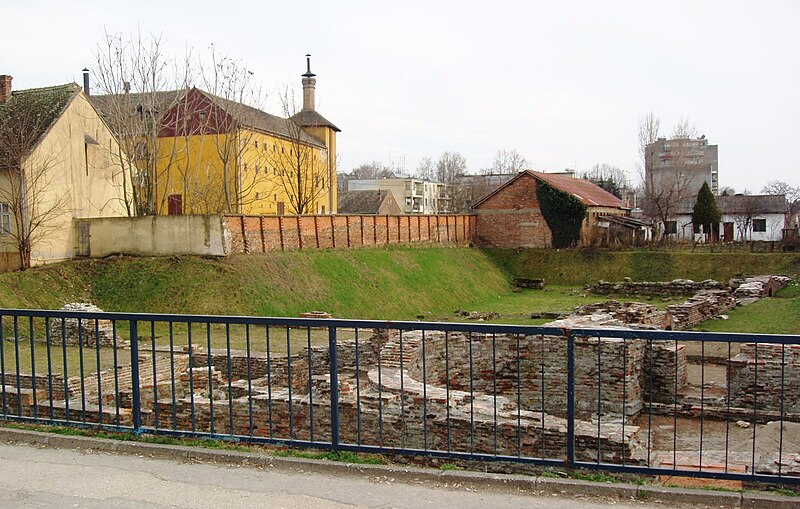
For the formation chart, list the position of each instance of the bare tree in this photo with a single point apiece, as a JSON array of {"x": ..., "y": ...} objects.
[
  {"x": 301, "y": 164},
  {"x": 612, "y": 179},
  {"x": 668, "y": 186},
  {"x": 684, "y": 129},
  {"x": 777, "y": 187},
  {"x": 450, "y": 166},
  {"x": 27, "y": 177},
  {"x": 649, "y": 131},
  {"x": 137, "y": 82},
  {"x": 169, "y": 129},
  {"x": 747, "y": 207},
  {"x": 364, "y": 171},
  {"x": 426, "y": 169},
  {"x": 507, "y": 161}
]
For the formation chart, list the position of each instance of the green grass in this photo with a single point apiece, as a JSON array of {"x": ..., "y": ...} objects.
[
  {"x": 777, "y": 315},
  {"x": 342, "y": 456},
  {"x": 449, "y": 466},
  {"x": 587, "y": 266},
  {"x": 391, "y": 283}
]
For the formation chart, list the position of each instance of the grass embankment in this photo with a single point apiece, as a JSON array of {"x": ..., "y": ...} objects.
[
  {"x": 576, "y": 267},
  {"x": 398, "y": 283}
]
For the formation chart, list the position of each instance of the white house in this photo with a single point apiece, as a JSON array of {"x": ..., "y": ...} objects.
[{"x": 744, "y": 218}]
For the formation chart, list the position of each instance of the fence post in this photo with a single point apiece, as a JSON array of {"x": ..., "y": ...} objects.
[
  {"x": 570, "y": 462},
  {"x": 135, "y": 396},
  {"x": 334, "y": 388}
]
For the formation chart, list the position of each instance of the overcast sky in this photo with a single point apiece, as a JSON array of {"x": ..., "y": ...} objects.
[{"x": 565, "y": 84}]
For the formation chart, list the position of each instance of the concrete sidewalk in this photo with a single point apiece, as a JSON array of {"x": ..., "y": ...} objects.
[{"x": 45, "y": 470}]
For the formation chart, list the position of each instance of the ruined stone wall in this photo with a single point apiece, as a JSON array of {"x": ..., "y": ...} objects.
[
  {"x": 704, "y": 305},
  {"x": 677, "y": 287},
  {"x": 541, "y": 363},
  {"x": 763, "y": 375}
]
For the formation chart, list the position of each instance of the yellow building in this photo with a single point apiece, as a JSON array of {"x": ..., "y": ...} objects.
[
  {"x": 213, "y": 155},
  {"x": 57, "y": 166}
]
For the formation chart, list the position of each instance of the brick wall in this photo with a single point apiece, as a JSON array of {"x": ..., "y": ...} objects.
[
  {"x": 253, "y": 234},
  {"x": 512, "y": 218}
]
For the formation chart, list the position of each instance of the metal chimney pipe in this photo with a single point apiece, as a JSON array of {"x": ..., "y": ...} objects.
[{"x": 86, "y": 81}]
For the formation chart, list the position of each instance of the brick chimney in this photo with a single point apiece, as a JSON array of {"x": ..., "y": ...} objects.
[
  {"x": 309, "y": 82},
  {"x": 5, "y": 87}
]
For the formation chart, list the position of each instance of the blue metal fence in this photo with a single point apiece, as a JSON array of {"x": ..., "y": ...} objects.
[{"x": 638, "y": 401}]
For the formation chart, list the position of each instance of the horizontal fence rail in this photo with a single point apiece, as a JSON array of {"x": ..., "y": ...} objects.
[{"x": 637, "y": 401}]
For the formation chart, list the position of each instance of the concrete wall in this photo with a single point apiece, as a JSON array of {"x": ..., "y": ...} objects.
[{"x": 158, "y": 236}]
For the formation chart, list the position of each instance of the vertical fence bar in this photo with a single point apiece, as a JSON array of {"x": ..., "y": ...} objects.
[
  {"x": 570, "y": 399},
  {"x": 49, "y": 363},
  {"x": 191, "y": 375},
  {"x": 210, "y": 359},
  {"x": 249, "y": 378},
  {"x": 269, "y": 379},
  {"x": 424, "y": 393},
  {"x": 83, "y": 375},
  {"x": 16, "y": 365},
  {"x": 172, "y": 377},
  {"x": 334, "y": 368},
  {"x": 116, "y": 371},
  {"x": 289, "y": 380},
  {"x": 402, "y": 395},
  {"x": 358, "y": 388},
  {"x": 230, "y": 381},
  {"x": 33, "y": 369},
  {"x": 66, "y": 375},
  {"x": 3, "y": 365},
  {"x": 99, "y": 376},
  {"x": 310, "y": 385},
  {"x": 155, "y": 370},
  {"x": 136, "y": 402}
]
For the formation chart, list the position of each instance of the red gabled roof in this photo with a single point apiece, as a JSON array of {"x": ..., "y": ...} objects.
[
  {"x": 589, "y": 193},
  {"x": 586, "y": 191}
]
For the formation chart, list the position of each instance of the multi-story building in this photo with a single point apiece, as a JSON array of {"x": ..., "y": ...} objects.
[
  {"x": 683, "y": 164},
  {"x": 198, "y": 153},
  {"x": 413, "y": 195}
]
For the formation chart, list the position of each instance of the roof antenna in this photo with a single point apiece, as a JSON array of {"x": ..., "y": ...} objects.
[{"x": 308, "y": 73}]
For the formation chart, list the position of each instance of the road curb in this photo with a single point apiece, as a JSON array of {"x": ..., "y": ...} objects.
[{"x": 408, "y": 474}]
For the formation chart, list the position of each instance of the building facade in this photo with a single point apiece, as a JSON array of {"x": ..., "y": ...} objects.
[
  {"x": 511, "y": 215},
  {"x": 683, "y": 163},
  {"x": 57, "y": 167},
  {"x": 414, "y": 196},
  {"x": 744, "y": 218},
  {"x": 209, "y": 154}
]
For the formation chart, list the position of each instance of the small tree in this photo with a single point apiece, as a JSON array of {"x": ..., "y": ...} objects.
[{"x": 706, "y": 212}]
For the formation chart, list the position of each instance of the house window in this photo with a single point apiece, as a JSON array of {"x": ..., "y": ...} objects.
[
  {"x": 202, "y": 115},
  {"x": 283, "y": 150},
  {"x": 696, "y": 227},
  {"x": 759, "y": 225},
  {"x": 5, "y": 218},
  {"x": 256, "y": 169},
  {"x": 258, "y": 196},
  {"x": 672, "y": 227},
  {"x": 245, "y": 166},
  {"x": 256, "y": 142}
]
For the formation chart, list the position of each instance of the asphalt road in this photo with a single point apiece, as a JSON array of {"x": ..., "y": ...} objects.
[{"x": 45, "y": 477}]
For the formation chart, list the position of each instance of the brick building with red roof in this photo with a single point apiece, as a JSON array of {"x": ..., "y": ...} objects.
[{"x": 511, "y": 217}]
